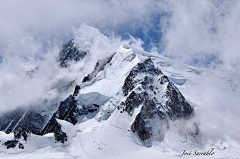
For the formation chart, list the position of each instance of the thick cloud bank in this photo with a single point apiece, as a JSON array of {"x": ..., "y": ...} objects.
[
  {"x": 203, "y": 33},
  {"x": 27, "y": 81}
]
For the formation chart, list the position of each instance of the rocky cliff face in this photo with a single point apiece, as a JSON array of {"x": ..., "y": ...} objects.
[
  {"x": 35, "y": 118},
  {"x": 147, "y": 88},
  {"x": 32, "y": 119},
  {"x": 21, "y": 133},
  {"x": 10, "y": 120},
  {"x": 69, "y": 110},
  {"x": 37, "y": 122}
]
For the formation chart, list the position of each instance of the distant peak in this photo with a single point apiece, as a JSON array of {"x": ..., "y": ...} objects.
[{"x": 70, "y": 52}]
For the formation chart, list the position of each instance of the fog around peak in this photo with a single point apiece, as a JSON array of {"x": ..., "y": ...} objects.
[{"x": 199, "y": 33}]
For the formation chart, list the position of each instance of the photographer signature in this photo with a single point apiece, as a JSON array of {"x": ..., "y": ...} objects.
[{"x": 196, "y": 152}]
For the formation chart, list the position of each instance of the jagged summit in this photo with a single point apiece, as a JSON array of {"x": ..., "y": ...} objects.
[
  {"x": 148, "y": 88},
  {"x": 70, "y": 52},
  {"x": 146, "y": 67}
]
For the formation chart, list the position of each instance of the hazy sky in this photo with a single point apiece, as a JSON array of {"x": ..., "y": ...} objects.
[{"x": 196, "y": 32}]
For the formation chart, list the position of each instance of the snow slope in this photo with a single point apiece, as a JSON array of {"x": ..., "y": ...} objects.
[{"x": 108, "y": 134}]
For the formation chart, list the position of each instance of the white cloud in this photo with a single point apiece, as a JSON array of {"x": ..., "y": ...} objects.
[
  {"x": 190, "y": 29},
  {"x": 52, "y": 21},
  {"x": 203, "y": 29},
  {"x": 199, "y": 30}
]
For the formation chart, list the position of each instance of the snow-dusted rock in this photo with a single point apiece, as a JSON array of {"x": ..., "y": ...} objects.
[
  {"x": 70, "y": 52},
  {"x": 148, "y": 88}
]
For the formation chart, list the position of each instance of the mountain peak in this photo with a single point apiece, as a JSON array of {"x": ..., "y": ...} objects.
[
  {"x": 147, "y": 88},
  {"x": 70, "y": 52},
  {"x": 146, "y": 67},
  {"x": 126, "y": 79}
]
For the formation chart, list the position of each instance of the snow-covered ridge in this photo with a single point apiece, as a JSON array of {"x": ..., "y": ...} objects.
[
  {"x": 107, "y": 79},
  {"x": 133, "y": 97}
]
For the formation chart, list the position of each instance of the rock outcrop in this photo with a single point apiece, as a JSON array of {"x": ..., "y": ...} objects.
[
  {"x": 69, "y": 110},
  {"x": 147, "y": 88},
  {"x": 21, "y": 133},
  {"x": 11, "y": 144}
]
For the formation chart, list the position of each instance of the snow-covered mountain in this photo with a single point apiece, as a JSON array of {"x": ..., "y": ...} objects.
[{"x": 126, "y": 104}]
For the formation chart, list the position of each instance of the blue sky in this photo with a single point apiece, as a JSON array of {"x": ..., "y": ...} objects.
[
  {"x": 149, "y": 34},
  {"x": 202, "y": 33}
]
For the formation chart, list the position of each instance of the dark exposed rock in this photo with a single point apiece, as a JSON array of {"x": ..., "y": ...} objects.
[
  {"x": 20, "y": 145},
  {"x": 100, "y": 65},
  {"x": 86, "y": 79},
  {"x": 37, "y": 119},
  {"x": 54, "y": 127},
  {"x": 146, "y": 67},
  {"x": 70, "y": 52},
  {"x": 164, "y": 79},
  {"x": 69, "y": 110},
  {"x": 21, "y": 133},
  {"x": 64, "y": 112},
  {"x": 148, "y": 87},
  {"x": 76, "y": 91},
  {"x": 9, "y": 120},
  {"x": 32, "y": 119},
  {"x": 59, "y": 134},
  {"x": 141, "y": 123},
  {"x": 96, "y": 105},
  {"x": 134, "y": 100},
  {"x": 177, "y": 106},
  {"x": 11, "y": 143}
]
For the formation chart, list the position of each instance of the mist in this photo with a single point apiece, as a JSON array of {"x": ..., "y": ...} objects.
[{"x": 199, "y": 33}]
